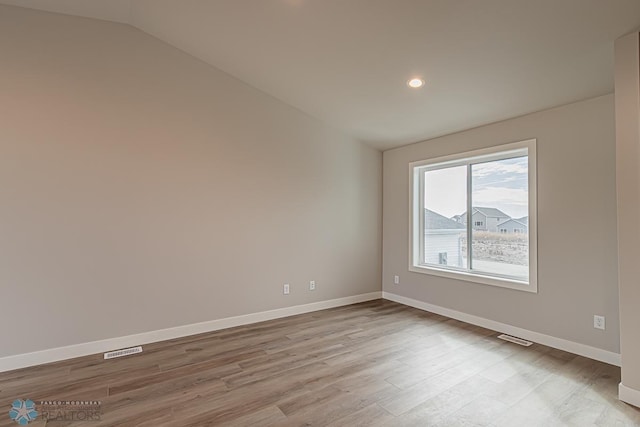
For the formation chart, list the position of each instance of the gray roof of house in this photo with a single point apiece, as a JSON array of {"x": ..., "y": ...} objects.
[
  {"x": 524, "y": 220},
  {"x": 491, "y": 212},
  {"x": 524, "y": 224},
  {"x": 435, "y": 221}
]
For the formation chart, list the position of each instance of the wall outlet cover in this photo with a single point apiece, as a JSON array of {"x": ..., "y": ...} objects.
[{"x": 598, "y": 322}]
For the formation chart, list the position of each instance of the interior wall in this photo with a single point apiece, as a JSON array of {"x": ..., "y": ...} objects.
[
  {"x": 143, "y": 189},
  {"x": 627, "y": 72},
  {"x": 577, "y": 253}
]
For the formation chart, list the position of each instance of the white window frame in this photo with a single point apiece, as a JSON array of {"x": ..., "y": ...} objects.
[{"x": 416, "y": 220}]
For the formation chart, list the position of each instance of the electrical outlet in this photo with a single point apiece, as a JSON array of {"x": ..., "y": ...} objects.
[
  {"x": 312, "y": 285},
  {"x": 396, "y": 280},
  {"x": 285, "y": 289},
  {"x": 598, "y": 322}
]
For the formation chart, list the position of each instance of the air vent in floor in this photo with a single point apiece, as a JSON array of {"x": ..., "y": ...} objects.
[
  {"x": 515, "y": 340},
  {"x": 123, "y": 352}
]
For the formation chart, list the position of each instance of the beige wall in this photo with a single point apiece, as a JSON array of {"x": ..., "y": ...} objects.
[
  {"x": 577, "y": 260},
  {"x": 627, "y": 51},
  {"x": 142, "y": 189}
]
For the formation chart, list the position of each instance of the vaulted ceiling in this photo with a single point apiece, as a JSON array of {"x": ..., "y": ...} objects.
[{"x": 347, "y": 62}]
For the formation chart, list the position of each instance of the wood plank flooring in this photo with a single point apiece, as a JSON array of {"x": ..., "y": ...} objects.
[{"x": 372, "y": 364}]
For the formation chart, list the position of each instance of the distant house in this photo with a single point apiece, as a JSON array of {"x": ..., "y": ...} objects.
[
  {"x": 442, "y": 239},
  {"x": 484, "y": 219},
  {"x": 514, "y": 226}
]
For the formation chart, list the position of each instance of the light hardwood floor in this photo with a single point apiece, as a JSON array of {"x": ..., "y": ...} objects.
[{"x": 372, "y": 364}]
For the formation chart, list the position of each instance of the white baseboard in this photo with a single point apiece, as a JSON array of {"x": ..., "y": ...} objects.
[
  {"x": 548, "y": 340},
  {"x": 629, "y": 395},
  {"x": 18, "y": 361}
]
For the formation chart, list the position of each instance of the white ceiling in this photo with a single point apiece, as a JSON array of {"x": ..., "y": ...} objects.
[{"x": 347, "y": 62}]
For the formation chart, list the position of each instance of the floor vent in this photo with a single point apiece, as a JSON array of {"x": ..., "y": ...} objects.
[
  {"x": 515, "y": 340},
  {"x": 123, "y": 352}
]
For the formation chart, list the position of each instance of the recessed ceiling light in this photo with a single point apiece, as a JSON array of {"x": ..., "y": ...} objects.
[{"x": 415, "y": 83}]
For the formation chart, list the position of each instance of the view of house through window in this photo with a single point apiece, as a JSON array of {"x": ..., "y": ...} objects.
[
  {"x": 493, "y": 189},
  {"x": 500, "y": 197}
]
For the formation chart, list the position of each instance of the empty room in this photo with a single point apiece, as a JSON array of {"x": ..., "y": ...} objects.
[{"x": 320, "y": 213}]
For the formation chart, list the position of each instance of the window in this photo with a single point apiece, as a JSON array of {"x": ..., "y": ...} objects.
[{"x": 497, "y": 184}]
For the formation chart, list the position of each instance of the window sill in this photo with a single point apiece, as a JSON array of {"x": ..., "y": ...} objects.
[{"x": 477, "y": 278}]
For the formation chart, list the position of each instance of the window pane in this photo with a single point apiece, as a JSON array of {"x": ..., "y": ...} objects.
[
  {"x": 500, "y": 199},
  {"x": 445, "y": 195}
]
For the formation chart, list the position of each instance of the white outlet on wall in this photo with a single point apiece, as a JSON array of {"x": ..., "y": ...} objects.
[
  {"x": 396, "y": 280},
  {"x": 312, "y": 285},
  {"x": 285, "y": 289},
  {"x": 598, "y": 322}
]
